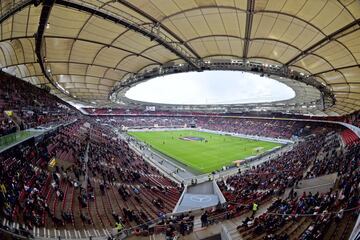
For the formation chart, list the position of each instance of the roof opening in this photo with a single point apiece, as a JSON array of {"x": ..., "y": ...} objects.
[{"x": 211, "y": 87}]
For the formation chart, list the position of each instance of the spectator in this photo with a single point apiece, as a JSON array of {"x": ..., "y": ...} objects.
[{"x": 204, "y": 219}]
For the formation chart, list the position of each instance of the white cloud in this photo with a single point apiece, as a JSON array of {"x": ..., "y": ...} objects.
[{"x": 211, "y": 87}]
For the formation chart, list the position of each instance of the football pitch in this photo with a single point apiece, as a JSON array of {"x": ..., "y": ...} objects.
[{"x": 202, "y": 151}]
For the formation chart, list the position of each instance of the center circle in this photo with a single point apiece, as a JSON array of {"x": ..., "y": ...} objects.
[
  {"x": 202, "y": 199},
  {"x": 191, "y": 138}
]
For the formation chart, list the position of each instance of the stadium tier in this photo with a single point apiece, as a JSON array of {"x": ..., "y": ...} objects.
[
  {"x": 179, "y": 119},
  {"x": 84, "y": 176}
]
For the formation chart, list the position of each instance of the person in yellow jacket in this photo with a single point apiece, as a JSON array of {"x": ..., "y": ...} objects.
[
  {"x": 254, "y": 209},
  {"x": 119, "y": 226},
  {"x": 2, "y": 188}
]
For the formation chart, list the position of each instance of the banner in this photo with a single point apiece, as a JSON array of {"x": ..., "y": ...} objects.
[{"x": 150, "y": 108}]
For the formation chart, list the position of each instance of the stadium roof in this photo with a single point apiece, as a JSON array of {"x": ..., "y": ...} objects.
[{"x": 85, "y": 47}]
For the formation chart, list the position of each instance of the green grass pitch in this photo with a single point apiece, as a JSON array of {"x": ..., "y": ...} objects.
[{"x": 218, "y": 151}]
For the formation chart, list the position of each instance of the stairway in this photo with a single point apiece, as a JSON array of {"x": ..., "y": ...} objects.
[{"x": 233, "y": 232}]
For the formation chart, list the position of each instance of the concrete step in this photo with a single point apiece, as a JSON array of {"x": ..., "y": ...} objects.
[
  {"x": 231, "y": 227},
  {"x": 197, "y": 223}
]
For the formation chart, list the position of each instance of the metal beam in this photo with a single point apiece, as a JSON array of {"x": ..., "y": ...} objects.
[
  {"x": 72, "y": 74},
  {"x": 260, "y": 39},
  {"x": 248, "y": 26},
  {"x": 325, "y": 40},
  {"x": 243, "y": 39},
  {"x": 106, "y": 45},
  {"x": 335, "y": 69},
  {"x": 155, "y": 21},
  {"x": 347, "y": 98},
  {"x": 171, "y": 46},
  {"x": 257, "y": 12},
  {"x": 71, "y": 62},
  {"x": 39, "y": 36},
  {"x": 343, "y": 104},
  {"x": 16, "y": 8},
  {"x": 344, "y": 83},
  {"x": 336, "y": 92}
]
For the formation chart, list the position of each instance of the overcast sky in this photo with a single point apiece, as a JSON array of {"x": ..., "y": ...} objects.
[{"x": 210, "y": 87}]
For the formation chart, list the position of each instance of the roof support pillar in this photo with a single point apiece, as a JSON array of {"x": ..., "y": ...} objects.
[
  {"x": 248, "y": 26},
  {"x": 39, "y": 37}
]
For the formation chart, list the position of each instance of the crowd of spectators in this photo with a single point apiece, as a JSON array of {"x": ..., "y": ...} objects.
[
  {"x": 92, "y": 166},
  {"x": 249, "y": 126},
  {"x": 267, "y": 127},
  {"x": 98, "y": 180},
  {"x": 28, "y": 182},
  {"x": 142, "y": 112},
  {"x": 321, "y": 209},
  {"x": 22, "y": 105},
  {"x": 24, "y": 179},
  {"x": 270, "y": 178},
  {"x": 329, "y": 161},
  {"x": 114, "y": 163},
  {"x": 7, "y": 126},
  {"x": 353, "y": 118},
  {"x": 346, "y": 194},
  {"x": 98, "y": 166}
]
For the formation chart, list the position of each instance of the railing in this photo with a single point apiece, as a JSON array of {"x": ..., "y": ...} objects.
[{"x": 355, "y": 234}]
